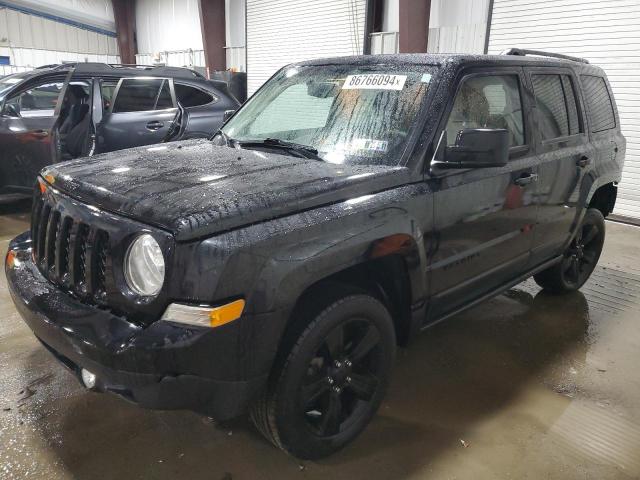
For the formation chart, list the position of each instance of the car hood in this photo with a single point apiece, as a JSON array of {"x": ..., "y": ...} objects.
[{"x": 195, "y": 188}]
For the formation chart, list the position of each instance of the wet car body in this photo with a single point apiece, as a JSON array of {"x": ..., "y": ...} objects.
[
  {"x": 254, "y": 224},
  {"x": 67, "y": 111}
]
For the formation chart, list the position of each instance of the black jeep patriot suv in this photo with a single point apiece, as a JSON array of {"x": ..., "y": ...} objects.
[{"x": 348, "y": 205}]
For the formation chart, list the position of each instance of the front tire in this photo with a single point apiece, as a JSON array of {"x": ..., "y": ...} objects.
[
  {"x": 333, "y": 379},
  {"x": 579, "y": 260}
]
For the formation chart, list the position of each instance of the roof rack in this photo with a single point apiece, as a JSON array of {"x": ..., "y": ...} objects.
[
  {"x": 178, "y": 72},
  {"x": 523, "y": 52}
]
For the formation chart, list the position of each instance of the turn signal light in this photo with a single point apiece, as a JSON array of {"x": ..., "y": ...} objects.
[
  {"x": 204, "y": 316},
  {"x": 11, "y": 259},
  {"x": 226, "y": 313}
]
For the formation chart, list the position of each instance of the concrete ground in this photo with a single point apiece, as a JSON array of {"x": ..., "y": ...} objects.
[{"x": 523, "y": 386}]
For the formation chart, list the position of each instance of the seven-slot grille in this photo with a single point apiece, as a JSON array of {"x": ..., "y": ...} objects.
[{"x": 68, "y": 252}]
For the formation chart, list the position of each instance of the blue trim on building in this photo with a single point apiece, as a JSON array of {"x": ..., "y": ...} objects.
[{"x": 58, "y": 19}]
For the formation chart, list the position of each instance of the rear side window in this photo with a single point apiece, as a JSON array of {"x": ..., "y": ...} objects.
[
  {"x": 553, "y": 111},
  {"x": 572, "y": 105},
  {"x": 491, "y": 101},
  {"x": 164, "y": 99},
  {"x": 137, "y": 95},
  {"x": 192, "y": 97},
  {"x": 599, "y": 102}
]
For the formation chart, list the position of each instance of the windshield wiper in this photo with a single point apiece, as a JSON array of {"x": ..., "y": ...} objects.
[{"x": 305, "y": 151}]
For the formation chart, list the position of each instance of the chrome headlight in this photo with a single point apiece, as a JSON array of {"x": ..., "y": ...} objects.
[{"x": 144, "y": 266}]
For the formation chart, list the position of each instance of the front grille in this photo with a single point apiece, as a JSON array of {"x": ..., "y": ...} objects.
[{"x": 70, "y": 253}]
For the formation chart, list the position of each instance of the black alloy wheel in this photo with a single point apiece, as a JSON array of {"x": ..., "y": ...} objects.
[
  {"x": 579, "y": 259},
  {"x": 326, "y": 389},
  {"x": 342, "y": 377},
  {"x": 582, "y": 255}
]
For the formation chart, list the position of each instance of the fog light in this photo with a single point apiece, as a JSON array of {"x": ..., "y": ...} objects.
[{"x": 88, "y": 378}]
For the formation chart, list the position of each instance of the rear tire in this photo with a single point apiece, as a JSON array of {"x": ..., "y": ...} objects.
[
  {"x": 580, "y": 258},
  {"x": 328, "y": 387}
]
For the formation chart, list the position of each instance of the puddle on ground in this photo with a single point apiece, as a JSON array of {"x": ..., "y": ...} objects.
[{"x": 526, "y": 385}]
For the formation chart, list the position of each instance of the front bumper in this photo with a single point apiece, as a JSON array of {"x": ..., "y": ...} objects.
[{"x": 163, "y": 365}]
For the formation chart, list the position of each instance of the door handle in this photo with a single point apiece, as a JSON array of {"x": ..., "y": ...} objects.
[
  {"x": 583, "y": 162},
  {"x": 155, "y": 125},
  {"x": 526, "y": 179},
  {"x": 40, "y": 133}
]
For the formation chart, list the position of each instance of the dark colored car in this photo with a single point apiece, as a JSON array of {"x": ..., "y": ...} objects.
[
  {"x": 67, "y": 111},
  {"x": 348, "y": 205}
]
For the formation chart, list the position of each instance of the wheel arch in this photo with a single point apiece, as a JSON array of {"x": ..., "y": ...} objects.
[
  {"x": 390, "y": 269},
  {"x": 604, "y": 197}
]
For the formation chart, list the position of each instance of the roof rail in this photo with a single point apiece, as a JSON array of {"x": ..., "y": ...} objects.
[
  {"x": 523, "y": 52},
  {"x": 178, "y": 72}
]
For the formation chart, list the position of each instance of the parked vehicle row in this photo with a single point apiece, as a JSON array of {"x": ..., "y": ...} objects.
[
  {"x": 348, "y": 205},
  {"x": 69, "y": 111}
]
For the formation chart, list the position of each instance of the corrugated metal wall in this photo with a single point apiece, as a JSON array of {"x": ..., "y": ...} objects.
[
  {"x": 97, "y": 14},
  {"x": 285, "y": 31},
  {"x": 31, "y": 40},
  {"x": 607, "y": 34}
]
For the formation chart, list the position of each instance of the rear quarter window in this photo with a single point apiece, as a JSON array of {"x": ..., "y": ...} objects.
[
  {"x": 191, "y": 96},
  {"x": 599, "y": 104}
]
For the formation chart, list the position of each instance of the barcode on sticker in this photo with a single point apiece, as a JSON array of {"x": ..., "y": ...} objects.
[{"x": 374, "y": 81}]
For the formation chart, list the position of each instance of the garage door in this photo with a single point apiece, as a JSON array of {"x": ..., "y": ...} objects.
[
  {"x": 285, "y": 31},
  {"x": 606, "y": 33}
]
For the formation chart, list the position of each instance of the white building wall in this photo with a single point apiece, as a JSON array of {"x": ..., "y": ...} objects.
[
  {"x": 168, "y": 25},
  {"x": 169, "y": 32},
  {"x": 95, "y": 13},
  {"x": 33, "y": 40},
  {"x": 391, "y": 16},
  {"x": 458, "y": 26},
  {"x": 607, "y": 34},
  {"x": 235, "y": 29}
]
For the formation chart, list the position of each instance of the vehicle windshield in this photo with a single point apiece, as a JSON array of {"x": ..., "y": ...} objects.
[
  {"x": 349, "y": 114},
  {"x": 8, "y": 82}
]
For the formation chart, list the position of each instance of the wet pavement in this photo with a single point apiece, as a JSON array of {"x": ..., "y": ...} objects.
[{"x": 526, "y": 385}]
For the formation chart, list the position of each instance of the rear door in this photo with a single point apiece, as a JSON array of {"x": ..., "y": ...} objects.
[
  {"x": 202, "y": 117},
  {"x": 565, "y": 155},
  {"x": 28, "y": 130},
  {"x": 140, "y": 113}
]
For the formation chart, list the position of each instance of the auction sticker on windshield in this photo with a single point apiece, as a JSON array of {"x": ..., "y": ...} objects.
[{"x": 374, "y": 81}]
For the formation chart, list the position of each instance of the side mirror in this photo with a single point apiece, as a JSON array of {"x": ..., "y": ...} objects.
[
  {"x": 477, "y": 148},
  {"x": 227, "y": 115},
  {"x": 10, "y": 110}
]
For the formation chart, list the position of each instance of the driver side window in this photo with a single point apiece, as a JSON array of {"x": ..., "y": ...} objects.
[
  {"x": 491, "y": 101},
  {"x": 38, "y": 101}
]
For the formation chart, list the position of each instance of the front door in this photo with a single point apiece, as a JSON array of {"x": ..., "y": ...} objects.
[
  {"x": 141, "y": 113},
  {"x": 565, "y": 155},
  {"x": 27, "y": 132},
  {"x": 483, "y": 216}
]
